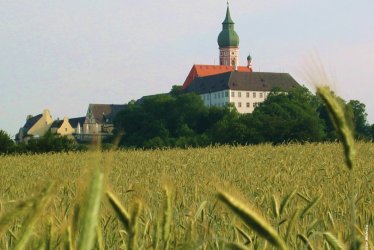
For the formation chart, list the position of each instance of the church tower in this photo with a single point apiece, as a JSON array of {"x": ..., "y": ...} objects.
[{"x": 228, "y": 41}]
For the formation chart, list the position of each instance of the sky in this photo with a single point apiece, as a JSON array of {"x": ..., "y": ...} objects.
[{"x": 63, "y": 55}]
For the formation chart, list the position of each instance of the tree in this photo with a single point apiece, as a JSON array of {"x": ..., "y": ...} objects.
[
  {"x": 52, "y": 143},
  {"x": 360, "y": 123},
  {"x": 164, "y": 121},
  {"x": 291, "y": 116},
  {"x": 6, "y": 143},
  {"x": 176, "y": 90}
]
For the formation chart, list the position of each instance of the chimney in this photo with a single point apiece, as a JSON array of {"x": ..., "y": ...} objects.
[{"x": 28, "y": 117}]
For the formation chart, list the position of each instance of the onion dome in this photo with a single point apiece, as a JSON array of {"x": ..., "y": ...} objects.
[{"x": 228, "y": 36}]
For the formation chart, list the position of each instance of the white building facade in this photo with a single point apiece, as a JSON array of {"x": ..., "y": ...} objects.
[{"x": 244, "y": 101}]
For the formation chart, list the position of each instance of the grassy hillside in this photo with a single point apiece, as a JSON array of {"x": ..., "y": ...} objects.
[{"x": 261, "y": 176}]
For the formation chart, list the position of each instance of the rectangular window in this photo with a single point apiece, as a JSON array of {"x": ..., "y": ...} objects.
[
  {"x": 248, "y": 105},
  {"x": 233, "y": 94},
  {"x": 261, "y": 95},
  {"x": 247, "y": 94},
  {"x": 239, "y": 104},
  {"x": 254, "y": 94},
  {"x": 239, "y": 94},
  {"x": 227, "y": 94}
]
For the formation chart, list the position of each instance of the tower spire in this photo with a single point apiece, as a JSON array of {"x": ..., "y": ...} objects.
[
  {"x": 228, "y": 41},
  {"x": 228, "y": 22}
]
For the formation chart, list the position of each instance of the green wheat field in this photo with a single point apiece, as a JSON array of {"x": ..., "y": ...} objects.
[{"x": 297, "y": 194}]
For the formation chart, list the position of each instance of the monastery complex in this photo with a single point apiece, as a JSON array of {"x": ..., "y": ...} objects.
[{"x": 217, "y": 85}]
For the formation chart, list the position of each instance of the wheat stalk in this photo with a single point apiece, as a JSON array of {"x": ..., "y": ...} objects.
[
  {"x": 253, "y": 220},
  {"x": 90, "y": 215}
]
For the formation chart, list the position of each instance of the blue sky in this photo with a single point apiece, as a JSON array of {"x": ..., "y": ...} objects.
[{"x": 63, "y": 55}]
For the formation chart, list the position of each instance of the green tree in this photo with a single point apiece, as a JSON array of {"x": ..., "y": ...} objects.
[
  {"x": 291, "y": 116},
  {"x": 6, "y": 143},
  {"x": 163, "y": 121},
  {"x": 176, "y": 90},
  {"x": 52, "y": 143},
  {"x": 360, "y": 123}
]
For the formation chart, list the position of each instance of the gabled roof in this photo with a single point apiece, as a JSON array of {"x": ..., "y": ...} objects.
[
  {"x": 31, "y": 122},
  {"x": 74, "y": 121},
  {"x": 199, "y": 70},
  {"x": 105, "y": 113},
  {"x": 255, "y": 81},
  {"x": 57, "y": 124}
]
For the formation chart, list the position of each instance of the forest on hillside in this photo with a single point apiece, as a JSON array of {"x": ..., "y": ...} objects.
[
  {"x": 181, "y": 120},
  {"x": 177, "y": 119}
]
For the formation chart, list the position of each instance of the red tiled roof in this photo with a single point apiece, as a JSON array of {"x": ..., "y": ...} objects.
[{"x": 199, "y": 70}]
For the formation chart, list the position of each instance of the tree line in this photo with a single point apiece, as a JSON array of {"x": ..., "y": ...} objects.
[
  {"x": 182, "y": 120},
  {"x": 47, "y": 143}
]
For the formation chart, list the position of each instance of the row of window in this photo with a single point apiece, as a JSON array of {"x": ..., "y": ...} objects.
[
  {"x": 226, "y": 53},
  {"x": 233, "y": 93},
  {"x": 216, "y": 95},
  {"x": 254, "y": 94},
  {"x": 239, "y": 104}
]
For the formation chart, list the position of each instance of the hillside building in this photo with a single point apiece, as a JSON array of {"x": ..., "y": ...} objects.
[
  {"x": 98, "y": 123},
  {"x": 35, "y": 126},
  {"x": 62, "y": 127},
  {"x": 219, "y": 85},
  {"x": 244, "y": 90}
]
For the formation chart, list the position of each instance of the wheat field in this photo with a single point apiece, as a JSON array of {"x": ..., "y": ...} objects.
[{"x": 175, "y": 199}]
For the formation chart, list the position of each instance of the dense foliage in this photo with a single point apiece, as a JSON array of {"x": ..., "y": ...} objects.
[
  {"x": 47, "y": 143},
  {"x": 6, "y": 143},
  {"x": 182, "y": 120}
]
